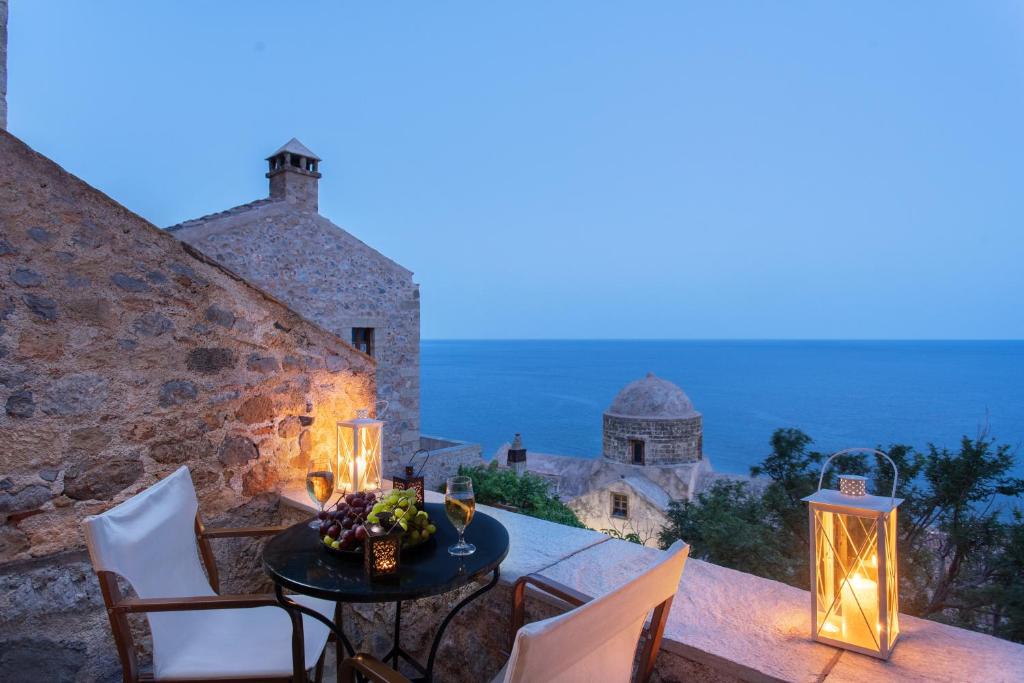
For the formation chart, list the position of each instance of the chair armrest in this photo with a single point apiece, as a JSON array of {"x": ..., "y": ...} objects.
[
  {"x": 244, "y": 531},
  {"x": 199, "y": 602},
  {"x": 372, "y": 670},
  {"x": 549, "y": 586}
]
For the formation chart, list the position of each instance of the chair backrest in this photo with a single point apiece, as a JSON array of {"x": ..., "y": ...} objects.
[
  {"x": 150, "y": 541},
  {"x": 597, "y": 641}
]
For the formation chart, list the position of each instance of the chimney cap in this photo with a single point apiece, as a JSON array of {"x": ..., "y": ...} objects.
[{"x": 295, "y": 147}]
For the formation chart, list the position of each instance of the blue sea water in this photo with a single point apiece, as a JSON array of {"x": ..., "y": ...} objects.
[{"x": 857, "y": 393}]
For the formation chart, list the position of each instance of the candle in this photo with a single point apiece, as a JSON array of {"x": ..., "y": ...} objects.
[{"x": 860, "y": 610}]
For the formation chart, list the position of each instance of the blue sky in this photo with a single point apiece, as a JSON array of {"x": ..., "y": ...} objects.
[{"x": 581, "y": 169}]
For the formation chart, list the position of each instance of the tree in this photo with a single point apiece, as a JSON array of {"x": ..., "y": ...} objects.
[
  {"x": 528, "y": 493},
  {"x": 960, "y": 557}
]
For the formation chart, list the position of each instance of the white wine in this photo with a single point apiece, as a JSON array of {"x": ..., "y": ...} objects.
[
  {"x": 320, "y": 485},
  {"x": 460, "y": 508}
]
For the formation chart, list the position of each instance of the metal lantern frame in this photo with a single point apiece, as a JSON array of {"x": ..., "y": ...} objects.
[
  {"x": 382, "y": 553},
  {"x": 360, "y": 454},
  {"x": 853, "y": 564},
  {"x": 410, "y": 481}
]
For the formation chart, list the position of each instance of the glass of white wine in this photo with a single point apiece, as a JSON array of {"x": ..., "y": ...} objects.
[
  {"x": 459, "y": 505},
  {"x": 319, "y": 484}
]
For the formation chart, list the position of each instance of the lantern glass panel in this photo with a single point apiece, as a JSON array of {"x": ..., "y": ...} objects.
[
  {"x": 847, "y": 578},
  {"x": 359, "y": 455},
  {"x": 893, "y": 601}
]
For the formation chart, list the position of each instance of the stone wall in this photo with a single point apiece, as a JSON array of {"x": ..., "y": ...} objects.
[
  {"x": 124, "y": 353},
  {"x": 443, "y": 459},
  {"x": 667, "y": 442},
  {"x": 3, "y": 64},
  {"x": 332, "y": 278}
]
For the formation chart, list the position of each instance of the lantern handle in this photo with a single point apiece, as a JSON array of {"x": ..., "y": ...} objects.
[{"x": 846, "y": 451}]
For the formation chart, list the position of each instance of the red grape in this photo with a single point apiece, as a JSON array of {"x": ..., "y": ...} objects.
[
  {"x": 333, "y": 531},
  {"x": 360, "y": 533}
]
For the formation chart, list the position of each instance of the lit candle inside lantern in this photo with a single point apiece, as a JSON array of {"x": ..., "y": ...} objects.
[{"x": 860, "y": 610}]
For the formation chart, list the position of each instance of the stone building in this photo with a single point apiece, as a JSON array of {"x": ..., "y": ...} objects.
[
  {"x": 652, "y": 455},
  {"x": 284, "y": 246},
  {"x": 125, "y": 353}
]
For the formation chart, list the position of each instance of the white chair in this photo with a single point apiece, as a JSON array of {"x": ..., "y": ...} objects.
[
  {"x": 153, "y": 541},
  {"x": 595, "y": 642}
]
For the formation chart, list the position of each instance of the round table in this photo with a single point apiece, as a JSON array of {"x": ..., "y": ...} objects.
[{"x": 296, "y": 560}]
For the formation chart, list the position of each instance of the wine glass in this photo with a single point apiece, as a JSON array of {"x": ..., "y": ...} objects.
[
  {"x": 319, "y": 484},
  {"x": 459, "y": 505}
]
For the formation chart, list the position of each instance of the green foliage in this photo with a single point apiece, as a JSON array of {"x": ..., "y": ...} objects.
[
  {"x": 528, "y": 493},
  {"x": 961, "y": 559},
  {"x": 729, "y": 525}
]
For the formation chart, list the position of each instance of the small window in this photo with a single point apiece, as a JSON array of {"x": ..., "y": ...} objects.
[
  {"x": 636, "y": 451},
  {"x": 362, "y": 339},
  {"x": 620, "y": 505}
]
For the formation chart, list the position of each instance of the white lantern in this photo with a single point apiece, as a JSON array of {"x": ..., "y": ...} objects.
[
  {"x": 854, "y": 591},
  {"x": 359, "y": 454}
]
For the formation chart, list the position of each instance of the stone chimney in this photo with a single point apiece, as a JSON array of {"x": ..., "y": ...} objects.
[
  {"x": 516, "y": 458},
  {"x": 294, "y": 175},
  {"x": 3, "y": 64}
]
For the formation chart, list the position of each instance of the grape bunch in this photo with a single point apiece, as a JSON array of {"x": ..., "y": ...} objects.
[
  {"x": 400, "y": 507},
  {"x": 343, "y": 527}
]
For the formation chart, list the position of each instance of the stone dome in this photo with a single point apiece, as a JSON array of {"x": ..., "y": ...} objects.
[{"x": 653, "y": 398}]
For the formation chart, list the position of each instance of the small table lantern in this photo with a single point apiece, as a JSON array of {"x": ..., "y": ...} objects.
[
  {"x": 359, "y": 453},
  {"x": 854, "y": 592},
  {"x": 411, "y": 480},
  {"x": 382, "y": 551}
]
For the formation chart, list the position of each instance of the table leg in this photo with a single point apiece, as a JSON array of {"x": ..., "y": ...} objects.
[
  {"x": 429, "y": 674},
  {"x": 295, "y": 612}
]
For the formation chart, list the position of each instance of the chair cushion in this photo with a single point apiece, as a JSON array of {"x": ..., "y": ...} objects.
[{"x": 239, "y": 643}]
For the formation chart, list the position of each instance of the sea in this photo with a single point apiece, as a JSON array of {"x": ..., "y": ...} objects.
[{"x": 841, "y": 393}]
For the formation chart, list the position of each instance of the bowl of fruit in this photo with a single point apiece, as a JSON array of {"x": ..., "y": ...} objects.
[{"x": 344, "y": 527}]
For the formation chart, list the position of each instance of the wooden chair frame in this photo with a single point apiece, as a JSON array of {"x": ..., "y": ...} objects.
[
  {"x": 375, "y": 671},
  {"x": 119, "y": 607}
]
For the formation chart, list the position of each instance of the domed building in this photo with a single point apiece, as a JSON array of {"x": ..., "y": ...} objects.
[
  {"x": 652, "y": 454},
  {"x": 652, "y": 422}
]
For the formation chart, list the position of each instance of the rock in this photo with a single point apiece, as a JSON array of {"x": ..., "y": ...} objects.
[
  {"x": 176, "y": 392},
  {"x": 237, "y": 450},
  {"x": 28, "y": 498},
  {"x": 12, "y": 541},
  {"x": 23, "y": 277},
  {"x": 210, "y": 361},
  {"x": 291, "y": 364},
  {"x": 39, "y": 235},
  {"x": 266, "y": 364},
  {"x": 102, "y": 481},
  {"x": 90, "y": 440},
  {"x": 256, "y": 409},
  {"x": 179, "y": 451},
  {"x": 289, "y": 427},
  {"x": 41, "y": 660},
  {"x": 260, "y": 479},
  {"x": 305, "y": 420},
  {"x": 156, "y": 277},
  {"x": 49, "y": 475},
  {"x": 75, "y": 395},
  {"x": 127, "y": 344},
  {"x": 94, "y": 309},
  {"x": 6, "y": 249},
  {"x": 20, "y": 404},
  {"x": 220, "y": 316},
  {"x": 187, "y": 277},
  {"x": 305, "y": 442},
  {"x": 43, "y": 307},
  {"x": 129, "y": 284},
  {"x": 151, "y": 324}
]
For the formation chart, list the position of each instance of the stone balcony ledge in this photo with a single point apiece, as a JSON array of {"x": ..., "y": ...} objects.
[{"x": 726, "y": 625}]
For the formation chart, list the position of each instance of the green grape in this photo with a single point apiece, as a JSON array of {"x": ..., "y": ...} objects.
[
  {"x": 431, "y": 528},
  {"x": 414, "y": 536},
  {"x": 404, "y": 524},
  {"x": 373, "y": 518}
]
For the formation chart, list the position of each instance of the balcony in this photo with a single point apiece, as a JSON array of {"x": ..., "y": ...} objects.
[{"x": 724, "y": 625}]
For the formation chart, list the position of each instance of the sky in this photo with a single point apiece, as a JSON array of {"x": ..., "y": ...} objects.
[{"x": 581, "y": 169}]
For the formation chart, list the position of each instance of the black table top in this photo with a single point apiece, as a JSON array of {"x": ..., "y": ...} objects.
[{"x": 297, "y": 560}]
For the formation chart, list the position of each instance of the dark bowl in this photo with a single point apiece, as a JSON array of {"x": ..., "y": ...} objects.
[{"x": 356, "y": 553}]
